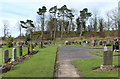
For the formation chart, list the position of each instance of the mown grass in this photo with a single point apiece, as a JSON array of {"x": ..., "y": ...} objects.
[
  {"x": 100, "y": 53},
  {"x": 39, "y": 65},
  {"x": 86, "y": 67}
]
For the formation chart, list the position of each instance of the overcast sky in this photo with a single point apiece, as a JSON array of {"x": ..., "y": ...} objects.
[{"x": 16, "y": 10}]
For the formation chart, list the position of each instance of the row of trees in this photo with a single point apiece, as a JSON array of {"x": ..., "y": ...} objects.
[{"x": 62, "y": 20}]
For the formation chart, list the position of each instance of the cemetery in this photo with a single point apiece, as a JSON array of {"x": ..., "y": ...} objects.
[{"x": 61, "y": 43}]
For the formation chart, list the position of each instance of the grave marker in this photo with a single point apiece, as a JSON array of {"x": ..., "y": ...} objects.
[
  {"x": 5, "y": 56},
  {"x": 107, "y": 60},
  {"x": 14, "y": 54},
  {"x": 84, "y": 43},
  {"x": 20, "y": 51}
]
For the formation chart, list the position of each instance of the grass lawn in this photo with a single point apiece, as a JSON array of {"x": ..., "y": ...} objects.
[
  {"x": 39, "y": 65},
  {"x": 100, "y": 53},
  {"x": 24, "y": 49},
  {"x": 86, "y": 66}
]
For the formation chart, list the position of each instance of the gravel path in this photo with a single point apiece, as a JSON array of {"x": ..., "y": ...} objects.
[{"x": 65, "y": 57}]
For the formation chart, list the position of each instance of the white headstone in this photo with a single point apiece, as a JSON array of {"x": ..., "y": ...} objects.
[
  {"x": 105, "y": 48},
  {"x": 14, "y": 54}
]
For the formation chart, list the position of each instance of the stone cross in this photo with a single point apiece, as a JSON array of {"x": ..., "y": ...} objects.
[
  {"x": 5, "y": 56},
  {"x": 14, "y": 55},
  {"x": 20, "y": 51}
]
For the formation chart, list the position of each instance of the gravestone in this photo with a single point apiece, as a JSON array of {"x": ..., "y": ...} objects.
[
  {"x": 104, "y": 43},
  {"x": 40, "y": 44},
  {"x": 117, "y": 46},
  {"x": 18, "y": 44},
  {"x": 14, "y": 54},
  {"x": 0, "y": 45},
  {"x": 76, "y": 42},
  {"x": 84, "y": 43},
  {"x": 14, "y": 43},
  {"x": 23, "y": 44},
  {"x": 53, "y": 43},
  {"x": 5, "y": 56},
  {"x": 89, "y": 43},
  {"x": 66, "y": 42},
  {"x": 79, "y": 42},
  {"x": 32, "y": 46},
  {"x": 28, "y": 50},
  {"x": 20, "y": 51},
  {"x": 93, "y": 42},
  {"x": 100, "y": 43},
  {"x": 113, "y": 45},
  {"x": 26, "y": 43},
  {"x": 107, "y": 60}
]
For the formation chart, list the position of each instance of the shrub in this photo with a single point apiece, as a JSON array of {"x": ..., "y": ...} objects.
[
  {"x": 108, "y": 44},
  {"x": 9, "y": 41}
]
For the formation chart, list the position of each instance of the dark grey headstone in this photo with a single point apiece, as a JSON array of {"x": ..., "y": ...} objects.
[
  {"x": 20, "y": 51},
  {"x": 28, "y": 50},
  {"x": 5, "y": 56},
  {"x": 117, "y": 45}
]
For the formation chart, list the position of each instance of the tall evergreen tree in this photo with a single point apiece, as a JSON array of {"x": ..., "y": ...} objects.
[
  {"x": 41, "y": 12},
  {"x": 63, "y": 11}
]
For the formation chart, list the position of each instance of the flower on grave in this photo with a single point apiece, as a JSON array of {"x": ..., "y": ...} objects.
[
  {"x": 30, "y": 51},
  {"x": 9, "y": 62}
]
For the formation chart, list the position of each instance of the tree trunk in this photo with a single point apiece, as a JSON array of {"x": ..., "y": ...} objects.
[
  {"x": 62, "y": 28},
  {"x": 42, "y": 28},
  {"x": 55, "y": 29},
  {"x": 81, "y": 32},
  {"x": 20, "y": 31}
]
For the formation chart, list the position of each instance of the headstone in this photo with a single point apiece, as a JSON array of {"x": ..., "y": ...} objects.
[
  {"x": 76, "y": 42},
  {"x": 28, "y": 50},
  {"x": 14, "y": 54},
  {"x": 0, "y": 45},
  {"x": 20, "y": 51},
  {"x": 104, "y": 43},
  {"x": 18, "y": 44},
  {"x": 14, "y": 43},
  {"x": 53, "y": 43},
  {"x": 105, "y": 48},
  {"x": 89, "y": 43},
  {"x": 117, "y": 45},
  {"x": 26, "y": 43},
  {"x": 32, "y": 46},
  {"x": 66, "y": 42},
  {"x": 113, "y": 45},
  {"x": 100, "y": 43},
  {"x": 5, "y": 56},
  {"x": 93, "y": 42},
  {"x": 41, "y": 44},
  {"x": 107, "y": 60},
  {"x": 84, "y": 43},
  {"x": 79, "y": 42}
]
